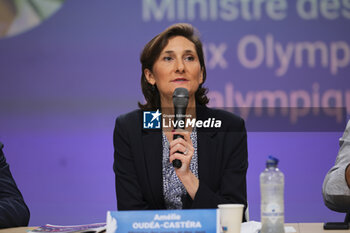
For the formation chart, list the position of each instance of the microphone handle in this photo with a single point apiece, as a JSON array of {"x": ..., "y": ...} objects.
[
  {"x": 176, "y": 162},
  {"x": 180, "y": 112}
]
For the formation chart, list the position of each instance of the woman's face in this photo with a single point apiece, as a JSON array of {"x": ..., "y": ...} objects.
[{"x": 177, "y": 66}]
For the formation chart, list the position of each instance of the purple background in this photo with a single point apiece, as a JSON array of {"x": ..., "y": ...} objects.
[{"x": 64, "y": 82}]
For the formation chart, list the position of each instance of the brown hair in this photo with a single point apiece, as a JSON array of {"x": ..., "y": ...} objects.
[{"x": 150, "y": 54}]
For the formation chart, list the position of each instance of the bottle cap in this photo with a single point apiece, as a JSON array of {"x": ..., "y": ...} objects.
[{"x": 272, "y": 161}]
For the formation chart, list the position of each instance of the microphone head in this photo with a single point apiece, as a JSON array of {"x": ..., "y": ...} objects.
[{"x": 180, "y": 97}]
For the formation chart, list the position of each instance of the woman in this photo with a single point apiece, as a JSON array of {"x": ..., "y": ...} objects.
[{"x": 214, "y": 160}]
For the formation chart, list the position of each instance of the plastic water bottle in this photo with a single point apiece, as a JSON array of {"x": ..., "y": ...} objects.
[{"x": 272, "y": 198}]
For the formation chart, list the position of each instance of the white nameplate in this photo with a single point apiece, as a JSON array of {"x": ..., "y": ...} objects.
[{"x": 163, "y": 221}]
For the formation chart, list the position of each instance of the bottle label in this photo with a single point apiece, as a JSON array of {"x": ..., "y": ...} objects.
[{"x": 272, "y": 211}]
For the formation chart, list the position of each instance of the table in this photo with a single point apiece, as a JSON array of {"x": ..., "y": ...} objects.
[
  {"x": 299, "y": 227},
  {"x": 316, "y": 227},
  {"x": 17, "y": 230}
]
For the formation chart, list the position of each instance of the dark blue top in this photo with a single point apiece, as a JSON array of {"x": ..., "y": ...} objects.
[
  {"x": 13, "y": 210},
  {"x": 222, "y": 163}
]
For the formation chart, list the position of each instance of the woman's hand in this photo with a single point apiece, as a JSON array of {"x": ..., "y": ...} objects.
[{"x": 184, "y": 145}]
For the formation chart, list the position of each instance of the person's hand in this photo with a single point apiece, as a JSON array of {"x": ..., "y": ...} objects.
[
  {"x": 186, "y": 147},
  {"x": 347, "y": 175},
  {"x": 188, "y": 179}
]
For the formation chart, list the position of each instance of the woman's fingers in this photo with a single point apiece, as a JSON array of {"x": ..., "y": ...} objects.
[{"x": 178, "y": 147}]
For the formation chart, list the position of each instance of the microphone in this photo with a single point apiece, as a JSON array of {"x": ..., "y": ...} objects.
[{"x": 180, "y": 101}]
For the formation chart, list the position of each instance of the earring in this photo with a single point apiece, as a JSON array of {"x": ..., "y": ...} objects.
[{"x": 153, "y": 88}]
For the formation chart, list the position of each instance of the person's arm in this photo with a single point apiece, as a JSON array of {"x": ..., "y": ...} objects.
[
  {"x": 184, "y": 145},
  {"x": 233, "y": 179},
  {"x": 13, "y": 210},
  {"x": 336, "y": 191},
  {"x": 129, "y": 193}
]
